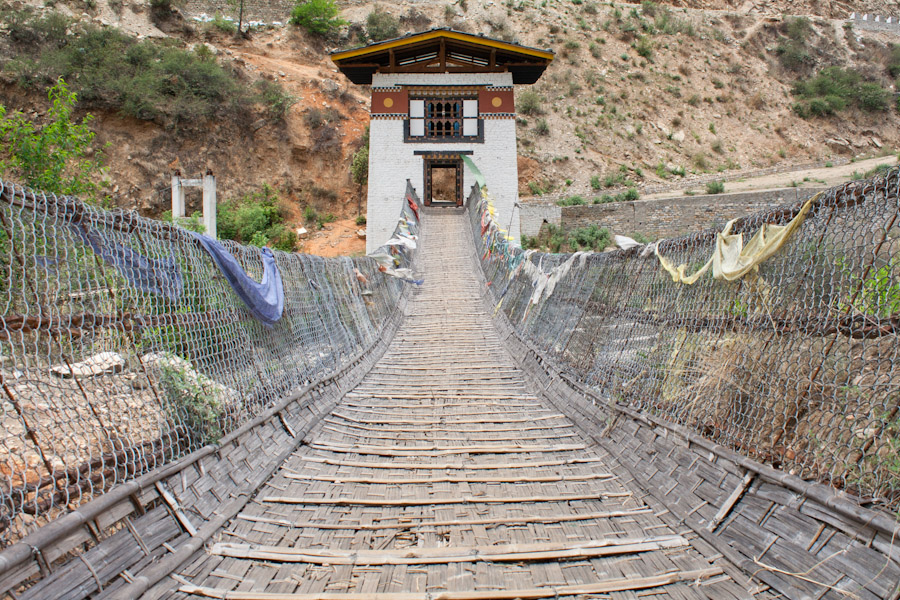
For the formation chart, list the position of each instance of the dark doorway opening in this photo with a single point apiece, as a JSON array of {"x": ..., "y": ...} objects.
[{"x": 443, "y": 182}]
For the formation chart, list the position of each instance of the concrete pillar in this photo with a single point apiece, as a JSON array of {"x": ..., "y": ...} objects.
[
  {"x": 177, "y": 196},
  {"x": 209, "y": 204}
]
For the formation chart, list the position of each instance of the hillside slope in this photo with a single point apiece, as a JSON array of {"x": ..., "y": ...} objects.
[{"x": 638, "y": 94}]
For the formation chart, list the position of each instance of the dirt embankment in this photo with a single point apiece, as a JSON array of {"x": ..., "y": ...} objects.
[{"x": 637, "y": 93}]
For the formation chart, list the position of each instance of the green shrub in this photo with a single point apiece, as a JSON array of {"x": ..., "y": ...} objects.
[
  {"x": 57, "y": 157},
  {"x": 147, "y": 79},
  {"x": 893, "y": 62},
  {"x": 872, "y": 97},
  {"x": 595, "y": 182},
  {"x": 361, "y": 220},
  {"x": 191, "y": 223},
  {"x": 792, "y": 56},
  {"x": 715, "y": 187},
  {"x": 542, "y": 127},
  {"x": 274, "y": 97},
  {"x": 591, "y": 237},
  {"x": 798, "y": 29},
  {"x": 644, "y": 47},
  {"x": 255, "y": 219},
  {"x": 317, "y": 16},
  {"x": 359, "y": 166},
  {"x": 556, "y": 239},
  {"x": 190, "y": 403},
  {"x": 26, "y": 29},
  {"x": 530, "y": 103},
  {"x": 222, "y": 24},
  {"x": 835, "y": 88},
  {"x": 382, "y": 25},
  {"x": 631, "y": 194}
]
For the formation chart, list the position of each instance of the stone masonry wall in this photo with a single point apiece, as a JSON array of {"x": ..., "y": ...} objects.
[
  {"x": 265, "y": 11},
  {"x": 664, "y": 217},
  {"x": 875, "y": 22}
]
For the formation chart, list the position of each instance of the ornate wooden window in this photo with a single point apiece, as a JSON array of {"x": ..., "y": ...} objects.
[
  {"x": 450, "y": 119},
  {"x": 443, "y": 118}
]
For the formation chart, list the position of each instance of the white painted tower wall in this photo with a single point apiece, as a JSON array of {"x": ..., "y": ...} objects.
[{"x": 392, "y": 161}]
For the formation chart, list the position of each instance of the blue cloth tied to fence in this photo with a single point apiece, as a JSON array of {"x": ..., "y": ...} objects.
[
  {"x": 265, "y": 299},
  {"x": 161, "y": 277}
]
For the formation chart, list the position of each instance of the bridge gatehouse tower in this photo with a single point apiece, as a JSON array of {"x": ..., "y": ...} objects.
[{"x": 437, "y": 96}]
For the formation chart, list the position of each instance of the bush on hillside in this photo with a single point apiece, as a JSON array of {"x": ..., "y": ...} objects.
[
  {"x": 715, "y": 187},
  {"x": 274, "y": 97},
  {"x": 792, "y": 50},
  {"x": 255, "y": 219},
  {"x": 530, "y": 103},
  {"x": 317, "y": 16},
  {"x": 893, "y": 62},
  {"x": 359, "y": 166},
  {"x": 150, "y": 80},
  {"x": 382, "y": 25},
  {"x": 835, "y": 88}
]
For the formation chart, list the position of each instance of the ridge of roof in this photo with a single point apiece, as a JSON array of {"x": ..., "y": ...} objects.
[{"x": 433, "y": 33}]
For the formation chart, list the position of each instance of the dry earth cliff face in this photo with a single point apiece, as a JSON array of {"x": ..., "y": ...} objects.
[{"x": 619, "y": 97}]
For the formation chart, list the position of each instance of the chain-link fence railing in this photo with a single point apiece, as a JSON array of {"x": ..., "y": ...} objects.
[
  {"x": 796, "y": 364},
  {"x": 123, "y": 346}
]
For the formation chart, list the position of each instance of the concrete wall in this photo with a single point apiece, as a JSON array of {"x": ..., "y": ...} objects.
[
  {"x": 392, "y": 162},
  {"x": 665, "y": 217}
]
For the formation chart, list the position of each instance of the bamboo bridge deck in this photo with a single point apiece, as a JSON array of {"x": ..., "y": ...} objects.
[{"x": 443, "y": 475}]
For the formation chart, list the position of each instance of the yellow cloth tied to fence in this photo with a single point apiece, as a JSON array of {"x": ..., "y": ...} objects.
[{"x": 731, "y": 259}]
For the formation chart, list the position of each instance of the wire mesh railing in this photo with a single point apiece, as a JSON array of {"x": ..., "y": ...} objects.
[
  {"x": 796, "y": 364},
  {"x": 123, "y": 346}
]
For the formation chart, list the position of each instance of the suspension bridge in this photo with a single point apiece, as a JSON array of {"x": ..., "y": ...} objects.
[{"x": 451, "y": 417}]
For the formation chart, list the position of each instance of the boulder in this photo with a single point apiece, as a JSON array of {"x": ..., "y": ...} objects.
[{"x": 99, "y": 364}]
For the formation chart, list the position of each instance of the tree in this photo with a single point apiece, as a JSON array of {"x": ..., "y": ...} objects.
[
  {"x": 316, "y": 16},
  {"x": 56, "y": 157}
]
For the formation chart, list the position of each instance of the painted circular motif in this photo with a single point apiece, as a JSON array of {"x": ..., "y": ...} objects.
[
  {"x": 497, "y": 101},
  {"x": 388, "y": 102}
]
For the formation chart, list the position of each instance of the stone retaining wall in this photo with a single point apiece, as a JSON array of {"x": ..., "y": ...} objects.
[
  {"x": 875, "y": 22},
  {"x": 659, "y": 218},
  {"x": 265, "y": 11}
]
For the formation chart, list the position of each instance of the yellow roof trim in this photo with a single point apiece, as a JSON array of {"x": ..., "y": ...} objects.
[{"x": 430, "y": 35}]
